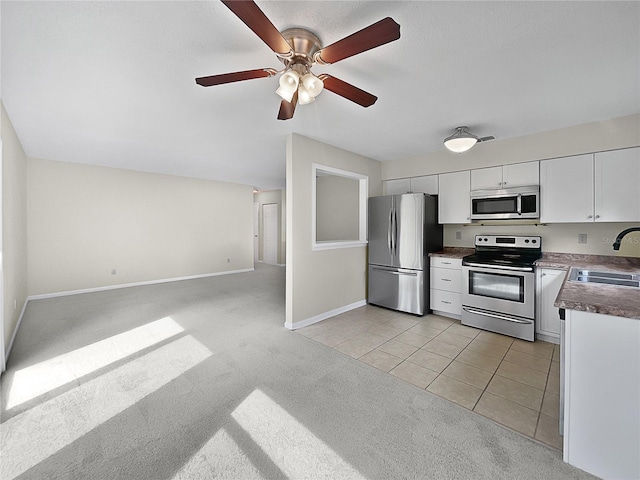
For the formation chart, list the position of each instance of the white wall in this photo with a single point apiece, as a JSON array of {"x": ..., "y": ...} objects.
[
  {"x": 320, "y": 281},
  {"x": 14, "y": 227},
  {"x": 84, "y": 221},
  {"x": 264, "y": 198},
  {"x": 622, "y": 132},
  {"x": 555, "y": 237}
]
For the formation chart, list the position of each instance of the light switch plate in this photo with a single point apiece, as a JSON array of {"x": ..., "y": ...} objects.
[
  {"x": 458, "y": 235},
  {"x": 582, "y": 238}
]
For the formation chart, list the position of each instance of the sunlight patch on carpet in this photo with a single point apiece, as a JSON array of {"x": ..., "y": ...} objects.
[
  {"x": 35, "y": 380},
  {"x": 290, "y": 445},
  {"x": 34, "y": 435},
  {"x": 219, "y": 458}
]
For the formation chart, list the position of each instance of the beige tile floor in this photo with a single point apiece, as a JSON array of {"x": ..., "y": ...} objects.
[{"x": 510, "y": 381}]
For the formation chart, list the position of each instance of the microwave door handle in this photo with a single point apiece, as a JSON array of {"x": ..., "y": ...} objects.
[{"x": 519, "y": 204}]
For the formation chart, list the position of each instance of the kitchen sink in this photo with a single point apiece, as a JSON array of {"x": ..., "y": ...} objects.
[{"x": 607, "y": 278}]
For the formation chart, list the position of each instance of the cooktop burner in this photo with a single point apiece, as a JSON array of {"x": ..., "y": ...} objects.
[{"x": 505, "y": 250}]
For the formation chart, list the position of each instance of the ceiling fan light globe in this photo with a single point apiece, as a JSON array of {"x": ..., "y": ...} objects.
[
  {"x": 286, "y": 93},
  {"x": 460, "y": 144},
  {"x": 312, "y": 84},
  {"x": 304, "y": 97},
  {"x": 290, "y": 79}
]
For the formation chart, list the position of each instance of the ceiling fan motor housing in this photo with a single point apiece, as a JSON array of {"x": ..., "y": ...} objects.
[{"x": 304, "y": 44}]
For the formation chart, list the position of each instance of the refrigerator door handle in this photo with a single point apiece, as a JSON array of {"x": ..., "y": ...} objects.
[
  {"x": 395, "y": 232},
  {"x": 389, "y": 228},
  {"x": 393, "y": 272}
]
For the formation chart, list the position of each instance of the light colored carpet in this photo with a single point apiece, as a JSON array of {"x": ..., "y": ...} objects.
[{"x": 198, "y": 379}]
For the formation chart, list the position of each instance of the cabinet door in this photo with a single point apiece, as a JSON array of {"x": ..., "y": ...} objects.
[
  {"x": 617, "y": 191},
  {"x": 454, "y": 203},
  {"x": 486, "y": 178},
  {"x": 566, "y": 189},
  {"x": 394, "y": 187},
  {"x": 521, "y": 174},
  {"x": 549, "y": 282},
  {"x": 427, "y": 184}
]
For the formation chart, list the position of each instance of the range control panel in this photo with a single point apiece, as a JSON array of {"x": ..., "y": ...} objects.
[{"x": 509, "y": 241}]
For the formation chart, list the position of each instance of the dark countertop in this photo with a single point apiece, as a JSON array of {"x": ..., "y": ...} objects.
[
  {"x": 453, "y": 252},
  {"x": 596, "y": 298}
]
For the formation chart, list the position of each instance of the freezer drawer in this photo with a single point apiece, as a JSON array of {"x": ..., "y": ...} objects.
[{"x": 397, "y": 288}]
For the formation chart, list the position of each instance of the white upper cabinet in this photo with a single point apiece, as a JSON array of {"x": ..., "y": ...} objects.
[
  {"x": 516, "y": 175},
  {"x": 454, "y": 204},
  {"x": 617, "y": 188},
  {"x": 566, "y": 189},
  {"x": 601, "y": 187},
  {"x": 426, "y": 184}
]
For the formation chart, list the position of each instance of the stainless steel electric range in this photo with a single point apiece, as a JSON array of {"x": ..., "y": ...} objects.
[{"x": 499, "y": 285}]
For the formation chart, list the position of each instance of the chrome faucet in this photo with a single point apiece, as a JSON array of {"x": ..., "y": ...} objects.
[{"x": 616, "y": 244}]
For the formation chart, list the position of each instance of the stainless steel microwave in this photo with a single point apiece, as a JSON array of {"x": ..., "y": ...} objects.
[{"x": 507, "y": 203}]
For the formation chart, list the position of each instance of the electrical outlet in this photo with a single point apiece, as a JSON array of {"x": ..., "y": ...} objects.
[
  {"x": 458, "y": 235},
  {"x": 582, "y": 238},
  {"x": 113, "y": 271},
  {"x": 15, "y": 303}
]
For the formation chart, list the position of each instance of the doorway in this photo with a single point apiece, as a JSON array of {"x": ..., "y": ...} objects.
[
  {"x": 256, "y": 232},
  {"x": 270, "y": 233}
]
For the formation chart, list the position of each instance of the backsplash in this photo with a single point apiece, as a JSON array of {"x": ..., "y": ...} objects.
[{"x": 555, "y": 237}]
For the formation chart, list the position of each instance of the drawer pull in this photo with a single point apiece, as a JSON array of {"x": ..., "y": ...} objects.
[
  {"x": 444, "y": 301},
  {"x": 445, "y": 279},
  {"x": 446, "y": 263}
]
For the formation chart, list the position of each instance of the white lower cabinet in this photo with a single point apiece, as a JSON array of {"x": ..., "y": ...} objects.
[
  {"x": 446, "y": 283},
  {"x": 602, "y": 394},
  {"x": 548, "y": 285}
]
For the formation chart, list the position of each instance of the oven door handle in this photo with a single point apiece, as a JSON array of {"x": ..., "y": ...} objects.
[
  {"x": 519, "y": 204},
  {"x": 498, "y": 267},
  {"x": 496, "y": 315}
]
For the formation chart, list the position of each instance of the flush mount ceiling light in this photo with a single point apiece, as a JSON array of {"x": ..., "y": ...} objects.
[{"x": 462, "y": 140}]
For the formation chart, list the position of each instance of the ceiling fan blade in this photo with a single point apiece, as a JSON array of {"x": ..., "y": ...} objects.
[
  {"x": 257, "y": 21},
  {"x": 235, "y": 77},
  {"x": 287, "y": 108},
  {"x": 348, "y": 91},
  {"x": 384, "y": 31},
  {"x": 484, "y": 139}
]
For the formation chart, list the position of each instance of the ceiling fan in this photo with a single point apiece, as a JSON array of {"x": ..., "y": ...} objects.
[{"x": 299, "y": 49}]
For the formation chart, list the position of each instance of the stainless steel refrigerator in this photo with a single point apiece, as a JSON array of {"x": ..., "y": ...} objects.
[{"x": 403, "y": 230}]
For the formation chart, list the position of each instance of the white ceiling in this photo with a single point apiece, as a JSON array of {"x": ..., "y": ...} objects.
[{"x": 112, "y": 83}]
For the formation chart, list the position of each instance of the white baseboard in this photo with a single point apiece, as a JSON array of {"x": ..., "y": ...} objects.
[
  {"x": 15, "y": 332},
  {"x": 322, "y": 316},
  {"x": 110, "y": 287},
  {"x": 548, "y": 338},
  {"x": 135, "y": 284},
  {"x": 447, "y": 314}
]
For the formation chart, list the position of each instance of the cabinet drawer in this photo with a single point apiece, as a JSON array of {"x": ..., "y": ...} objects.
[
  {"x": 446, "y": 301},
  {"x": 446, "y": 279},
  {"x": 445, "y": 262}
]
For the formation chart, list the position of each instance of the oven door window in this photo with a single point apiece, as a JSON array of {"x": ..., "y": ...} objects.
[
  {"x": 497, "y": 285},
  {"x": 494, "y": 205}
]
